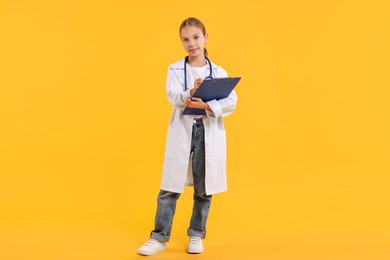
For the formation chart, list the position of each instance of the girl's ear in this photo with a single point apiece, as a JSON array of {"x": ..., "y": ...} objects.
[{"x": 207, "y": 37}]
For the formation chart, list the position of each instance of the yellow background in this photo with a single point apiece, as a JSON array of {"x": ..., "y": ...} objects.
[{"x": 84, "y": 116}]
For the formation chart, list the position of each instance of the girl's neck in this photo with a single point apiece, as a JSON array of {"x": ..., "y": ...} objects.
[{"x": 198, "y": 61}]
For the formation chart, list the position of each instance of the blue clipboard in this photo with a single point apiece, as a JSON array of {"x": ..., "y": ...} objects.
[{"x": 212, "y": 89}]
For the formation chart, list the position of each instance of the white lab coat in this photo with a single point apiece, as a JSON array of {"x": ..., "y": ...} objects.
[{"x": 177, "y": 169}]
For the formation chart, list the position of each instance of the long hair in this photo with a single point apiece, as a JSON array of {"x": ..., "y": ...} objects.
[{"x": 197, "y": 23}]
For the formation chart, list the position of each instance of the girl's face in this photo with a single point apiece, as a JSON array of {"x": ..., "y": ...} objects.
[{"x": 193, "y": 40}]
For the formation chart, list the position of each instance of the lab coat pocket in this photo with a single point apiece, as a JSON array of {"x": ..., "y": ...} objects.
[
  {"x": 220, "y": 123},
  {"x": 174, "y": 118},
  {"x": 176, "y": 140},
  {"x": 221, "y": 147},
  {"x": 216, "y": 146}
]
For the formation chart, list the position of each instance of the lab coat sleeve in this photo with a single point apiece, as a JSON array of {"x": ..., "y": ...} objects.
[
  {"x": 175, "y": 90},
  {"x": 225, "y": 106}
]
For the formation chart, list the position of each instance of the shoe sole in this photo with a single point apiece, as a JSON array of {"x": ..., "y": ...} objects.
[
  {"x": 151, "y": 253},
  {"x": 194, "y": 251}
]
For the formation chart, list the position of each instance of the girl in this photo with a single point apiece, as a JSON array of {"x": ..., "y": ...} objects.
[{"x": 195, "y": 152}]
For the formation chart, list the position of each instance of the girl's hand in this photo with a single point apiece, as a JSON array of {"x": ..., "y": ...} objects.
[
  {"x": 197, "y": 103},
  {"x": 197, "y": 84}
]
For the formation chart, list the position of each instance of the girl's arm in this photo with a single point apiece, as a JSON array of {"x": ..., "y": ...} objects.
[
  {"x": 175, "y": 91},
  {"x": 225, "y": 106}
]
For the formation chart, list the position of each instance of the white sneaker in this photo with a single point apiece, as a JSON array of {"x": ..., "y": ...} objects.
[
  {"x": 151, "y": 247},
  {"x": 195, "y": 246}
]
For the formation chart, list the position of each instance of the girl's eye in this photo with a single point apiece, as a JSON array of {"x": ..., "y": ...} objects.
[{"x": 196, "y": 37}]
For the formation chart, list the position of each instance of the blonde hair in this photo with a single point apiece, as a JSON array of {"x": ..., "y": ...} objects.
[{"x": 197, "y": 23}]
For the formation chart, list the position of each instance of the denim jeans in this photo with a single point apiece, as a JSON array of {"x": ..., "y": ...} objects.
[{"x": 166, "y": 200}]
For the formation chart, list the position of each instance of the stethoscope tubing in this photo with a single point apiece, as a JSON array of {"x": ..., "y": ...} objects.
[{"x": 210, "y": 76}]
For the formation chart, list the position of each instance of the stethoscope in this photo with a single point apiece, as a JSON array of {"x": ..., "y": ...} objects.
[{"x": 210, "y": 76}]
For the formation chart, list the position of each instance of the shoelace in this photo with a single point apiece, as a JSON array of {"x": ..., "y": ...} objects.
[
  {"x": 196, "y": 240},
  {"x": 152, "y": 242}
]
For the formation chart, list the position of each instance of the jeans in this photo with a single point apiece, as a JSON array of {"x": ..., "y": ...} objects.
[{"x": 166, "y": 200}]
